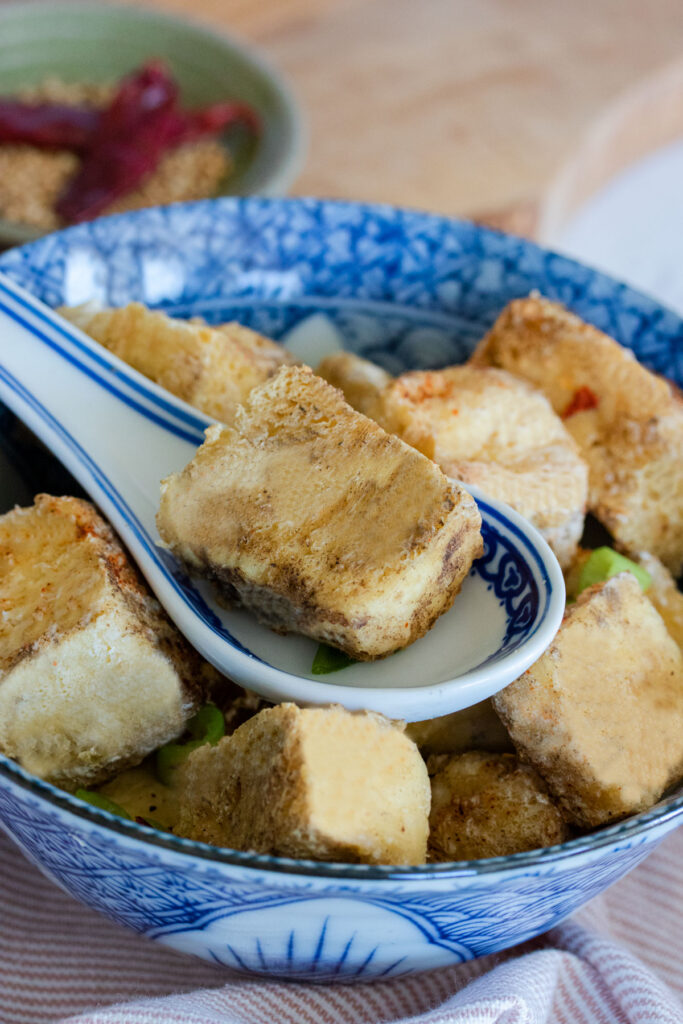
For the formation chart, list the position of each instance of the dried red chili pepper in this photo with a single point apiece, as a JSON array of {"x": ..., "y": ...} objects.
[
  {"x": 47, "y": 125},
  {"x": 216, "y": 118},
  {"x": 125, "y": 142},
  {"x": 582, "y": 399},
  {"x": 130, "y": 138}
]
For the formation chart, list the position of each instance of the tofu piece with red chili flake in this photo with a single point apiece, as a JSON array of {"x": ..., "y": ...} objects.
[
  {"x": 485, "y": 427},
  {"x": 627, "y": 421},
  {"x": 600, "y": 714},
  {"x": 93, "y": 675}
]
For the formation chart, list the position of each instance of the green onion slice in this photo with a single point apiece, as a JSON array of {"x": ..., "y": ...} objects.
[
  {"x": 603, "y": 563},
  {"x": 329, "y": 659},
  {"x": 207, "y": 726},
  {"x": 98, "y": 800}
]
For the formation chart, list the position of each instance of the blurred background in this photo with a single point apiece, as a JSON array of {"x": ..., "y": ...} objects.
[{"x": 560, "y": 121}]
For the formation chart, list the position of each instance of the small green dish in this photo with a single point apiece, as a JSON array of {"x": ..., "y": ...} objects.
[{"x": 100, "y": 42}]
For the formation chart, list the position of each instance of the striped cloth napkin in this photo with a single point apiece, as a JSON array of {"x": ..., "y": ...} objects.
[{"x": 618, "y": 961}]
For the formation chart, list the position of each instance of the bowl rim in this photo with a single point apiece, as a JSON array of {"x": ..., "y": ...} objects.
[
  {"x": 270, "y": 182},
  {"x": 662, "y": 813},
  {"x": 630, "y": 828}
]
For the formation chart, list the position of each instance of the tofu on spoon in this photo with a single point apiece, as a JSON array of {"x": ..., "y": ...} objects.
[{"x": 309, "y": 514}]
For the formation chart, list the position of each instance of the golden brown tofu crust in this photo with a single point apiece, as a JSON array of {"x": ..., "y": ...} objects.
[
  {"x": 318, "y": 783},
  {"x": 489, "y": 805},
  {"x": 627, "y": 421},
  {"x": 486, "y": 427},
  {"x": 321, "y": 523},
  {"x": 212, "y": 368},
  {"x": 85, "y": 530},
  {"x": 664, "y": 594},
  {"x": 76, "y": 617},
  {"x": 360, "y": 381},
  {"x": 600, "y": 714}
]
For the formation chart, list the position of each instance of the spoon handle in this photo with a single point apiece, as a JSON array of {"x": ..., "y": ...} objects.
[{"x": 115, "y": 431}]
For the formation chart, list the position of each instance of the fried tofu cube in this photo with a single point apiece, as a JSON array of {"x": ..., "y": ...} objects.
[
  {"x": 93, "y": 676},
  {"x": 475, "y": 728},
  {"x": 664, "y": 594},
  {"x": 627, "y": 421},
  {"x": 319, "y": 783},
  {"x": 600, "y": 714},
  {"x": 489, "y": 805},
  {"x": 212, "y": 368},
  {"x": 486, "y": 427},
  {"x": 360, "y": 381},
  {"x": 321, "y": 523}
]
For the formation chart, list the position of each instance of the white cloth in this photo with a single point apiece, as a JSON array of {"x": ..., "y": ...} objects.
[{"x": 618, "y": 961}]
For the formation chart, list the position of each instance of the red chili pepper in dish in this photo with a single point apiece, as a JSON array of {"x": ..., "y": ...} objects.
[
  {"x": 128, "y": 142},
  {"x": 47, "y": 125},
  {"x": 211, "y": 120},
  {"x": 582, "y": 399},
  {"x": 190, "y": 125}
]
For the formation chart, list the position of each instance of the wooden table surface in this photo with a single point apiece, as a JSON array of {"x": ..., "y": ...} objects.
[{"x": 457, "y": 106}]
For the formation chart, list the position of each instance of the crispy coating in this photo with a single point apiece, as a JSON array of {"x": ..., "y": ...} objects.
[
  {"x": 321, "y": 523},
  {"x": 93, "y": 676},
  {"x": 486, "y": 427},
  {"x": 475, "y": 728},
  {"x": 481, "y": 426},
  {"x": 489, "y": 805},
  {"x": 600, "y": 714},
  {"x": 627, "y": 422},
  {"x": 212, "y": 368},
  {"x": 360, "y": 381},
  {"x": 664, "y": 594},
  {"x": 320, "y": 783}
]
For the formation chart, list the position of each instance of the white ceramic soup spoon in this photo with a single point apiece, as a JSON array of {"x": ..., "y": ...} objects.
[{"x": 119, "y": 435}]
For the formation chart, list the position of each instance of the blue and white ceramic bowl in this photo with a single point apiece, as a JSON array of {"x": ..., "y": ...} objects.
[{"x": 406, "y": 290}]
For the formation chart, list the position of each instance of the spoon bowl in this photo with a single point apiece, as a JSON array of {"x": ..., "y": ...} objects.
[{"x": 119, "y": 435}]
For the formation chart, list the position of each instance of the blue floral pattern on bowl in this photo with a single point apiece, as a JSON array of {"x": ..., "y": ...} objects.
[{"x": 407, "y": 290}]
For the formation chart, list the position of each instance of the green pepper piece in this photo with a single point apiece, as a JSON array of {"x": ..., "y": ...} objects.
[
  {"x": 171, "y": 756},
  {"x": 603, "y": 563},
  {"x": 98, "y": 800},
  {"x": 207, "y": 726},
  {"x": 329, "y": 659}
]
